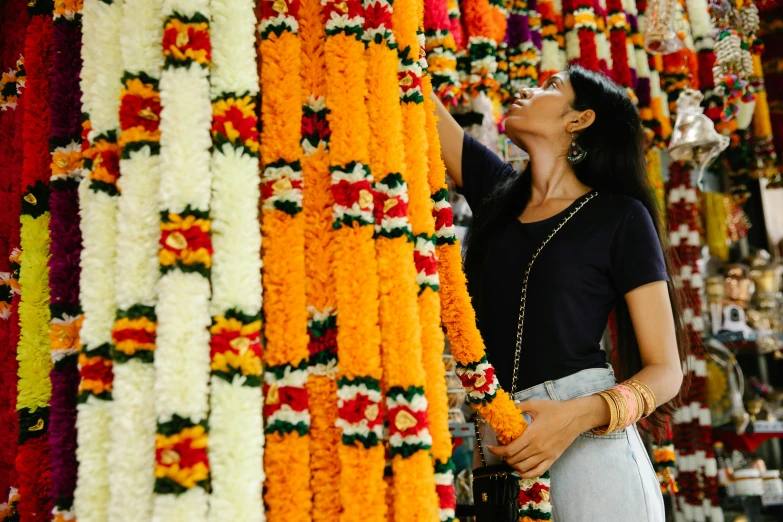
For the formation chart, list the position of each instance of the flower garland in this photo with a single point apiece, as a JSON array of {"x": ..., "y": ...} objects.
[
  {"x": 552, "y": 40},
  {"x": 664, "y": 458},
  {"x": 524, "y": 51},
  {"x": 581, "y": 26},
  {"x": 702, "y": 30},
  {"x": 100, "y": 86},
  {"x": 430, "y": 312},
  {"x": 11, "y": 116},
  {"x": 481, "y": 46},
  {"x": 695, "y": 462},
  {"x": 393, "y": 105},
  {"x": 764, "y": 148},
  {"x": 182, "y": 359},
  {"x": 33, "y": 351},
  {"x": 602, "y": 39},
  {"x": 632, "y": 36},
  {"x": 645, "y": 89},
  {"x": 236, "y": 400},
  {"x": 441, "y": 51},
  {"x": 617, "y": 23},
  {"x": 319, "y": 281},
  {"x": 133, "y": 422},
  {"x": 287, "y": 453},
  {"x": 455, "y": 22},
  {"x": 66, "y": 173},
  {"x": 475, "y": 372},
  {"x": 362, "y": 486}
]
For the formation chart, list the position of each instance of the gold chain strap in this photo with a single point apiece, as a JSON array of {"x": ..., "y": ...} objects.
[{"x": 518, "y": 351}]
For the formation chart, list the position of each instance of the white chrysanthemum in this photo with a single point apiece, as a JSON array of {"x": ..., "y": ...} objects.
[
  {"x": 132, "y": 456},
  {"x": 182, "y": 355}
]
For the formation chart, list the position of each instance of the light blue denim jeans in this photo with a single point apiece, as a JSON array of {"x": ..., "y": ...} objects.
[{"x": 605, "y": 478}]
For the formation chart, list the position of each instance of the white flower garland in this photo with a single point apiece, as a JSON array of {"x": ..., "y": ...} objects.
[
  {"x": 132, "y": 454},
  {"x": 236, "y": 437},
  {"x": 182, "y": 353},
  {"x": 100, "y": 84}
]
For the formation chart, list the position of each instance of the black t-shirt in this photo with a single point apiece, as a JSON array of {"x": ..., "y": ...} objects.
[{"x": 607, "y": 249}]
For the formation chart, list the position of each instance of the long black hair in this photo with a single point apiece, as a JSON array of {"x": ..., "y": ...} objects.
[{"x": 615, "y": 164}]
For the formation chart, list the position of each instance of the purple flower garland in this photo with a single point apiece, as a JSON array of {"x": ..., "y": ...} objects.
[{"x": 65, "y": 146}]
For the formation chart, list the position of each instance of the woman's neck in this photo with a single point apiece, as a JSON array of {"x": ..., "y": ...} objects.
[{"x": 553, "y": 177}]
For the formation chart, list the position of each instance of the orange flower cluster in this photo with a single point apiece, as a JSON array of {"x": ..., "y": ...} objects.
[
  {"x": 362, "y": 488},
  {"x": 408, "y": 19},
  {"x": 319, "y": 281},
  {"x": 287, "y": 454},
  {"x": 457, "y": 314}
]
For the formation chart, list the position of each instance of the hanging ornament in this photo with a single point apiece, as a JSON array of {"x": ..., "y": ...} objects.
[
  {"x": 694, "y": 137},
  {"x": 660, "y": 35}
]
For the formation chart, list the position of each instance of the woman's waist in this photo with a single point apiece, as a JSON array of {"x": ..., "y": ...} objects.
[{"x": 579, "y": 384}]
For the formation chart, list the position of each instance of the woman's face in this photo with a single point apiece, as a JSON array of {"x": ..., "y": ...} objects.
[{"x": 541, "y": 112}]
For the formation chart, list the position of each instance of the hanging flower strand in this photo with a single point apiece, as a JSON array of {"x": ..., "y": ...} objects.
[
  {"x": 287, "y": 453},
  {"x": 319, "y": 281},
  {"x": 182, "y": 470},
  {"x": 66, "y": 173},
  {"x": 133, "y": 424},
  {"x": 235, "y": 415},
  {"x": 433, "y": 341},
  {"x": 403, "y": 374},
  {"x": 441, "y": 51},
  {"x": 362, "y": 487},
  {"x": 33, "y": 354}
]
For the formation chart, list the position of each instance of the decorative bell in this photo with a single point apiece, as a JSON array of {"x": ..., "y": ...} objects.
[
  {"x": 660, "y": 36},
  {"x": 694, "y": 137}
]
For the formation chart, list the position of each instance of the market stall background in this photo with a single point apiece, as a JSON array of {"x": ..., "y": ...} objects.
[{"x": 162, "y": 162}]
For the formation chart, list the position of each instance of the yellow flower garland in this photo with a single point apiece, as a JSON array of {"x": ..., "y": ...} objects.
[
  {"x": 362, "y": 487},
  {"x": 404, "y": 378},
  {"x": 319, "y": 281},
  {"x": 287, "y": 454}
]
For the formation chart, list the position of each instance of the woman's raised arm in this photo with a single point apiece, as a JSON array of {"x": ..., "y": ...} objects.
[{"x": 451, "y": 135}]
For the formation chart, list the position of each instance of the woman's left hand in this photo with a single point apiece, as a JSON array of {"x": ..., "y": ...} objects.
[{"x": 553, "y": 429}]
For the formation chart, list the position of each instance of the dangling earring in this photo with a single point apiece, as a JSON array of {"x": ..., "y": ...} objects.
[{"x": 575, "y": 153}]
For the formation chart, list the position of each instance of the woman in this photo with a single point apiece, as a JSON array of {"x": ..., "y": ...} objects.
[{"x": 607, "y": 256}]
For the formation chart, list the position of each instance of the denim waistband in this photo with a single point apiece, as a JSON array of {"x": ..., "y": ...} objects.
[{"x": 579, "y": 384}]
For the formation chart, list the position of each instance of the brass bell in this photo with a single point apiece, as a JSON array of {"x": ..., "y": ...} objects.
[{"x": 694, "y": 137}]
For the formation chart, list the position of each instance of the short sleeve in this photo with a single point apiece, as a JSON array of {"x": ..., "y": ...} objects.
[
  {"x": 636, "y": 255},
  {"x": 482, "y": 171}
]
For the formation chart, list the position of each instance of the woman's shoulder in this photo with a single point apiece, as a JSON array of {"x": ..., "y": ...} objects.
[
  {"x": 619, "y": 205},
  {"x": 614, "y": 212}
]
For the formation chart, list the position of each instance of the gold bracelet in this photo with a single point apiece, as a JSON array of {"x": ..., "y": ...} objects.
[
  {"x": 612, "y": 415},
  {"x": 639, "y": 403},
  {"x": 622, "y": 408},
  {"x": 651, "y": 402}
]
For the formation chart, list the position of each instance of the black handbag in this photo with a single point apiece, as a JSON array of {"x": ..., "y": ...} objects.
[
  {"x": 496, "y": 488},
  {"x": 495, "y": 492}
]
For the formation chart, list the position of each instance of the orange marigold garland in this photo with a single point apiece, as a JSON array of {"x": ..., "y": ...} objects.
[
  {"x": 552, "y": 39},
  {"x": 362, "y": 488},
  {"x": 403, "y": 374},
  {"x": 287, "y": 453},
  {"x": 185, "y": 256},
  {"x": 319, "y": 280},
  {"x": 419, "y": 211}
]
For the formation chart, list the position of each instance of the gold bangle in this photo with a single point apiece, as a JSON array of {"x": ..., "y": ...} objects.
[
  {"x": 639, "y": 403},
  {"x": 612, "y": 415},
  {"x": 651, "y": 402},
  {"x": 622, "y": 409}
]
